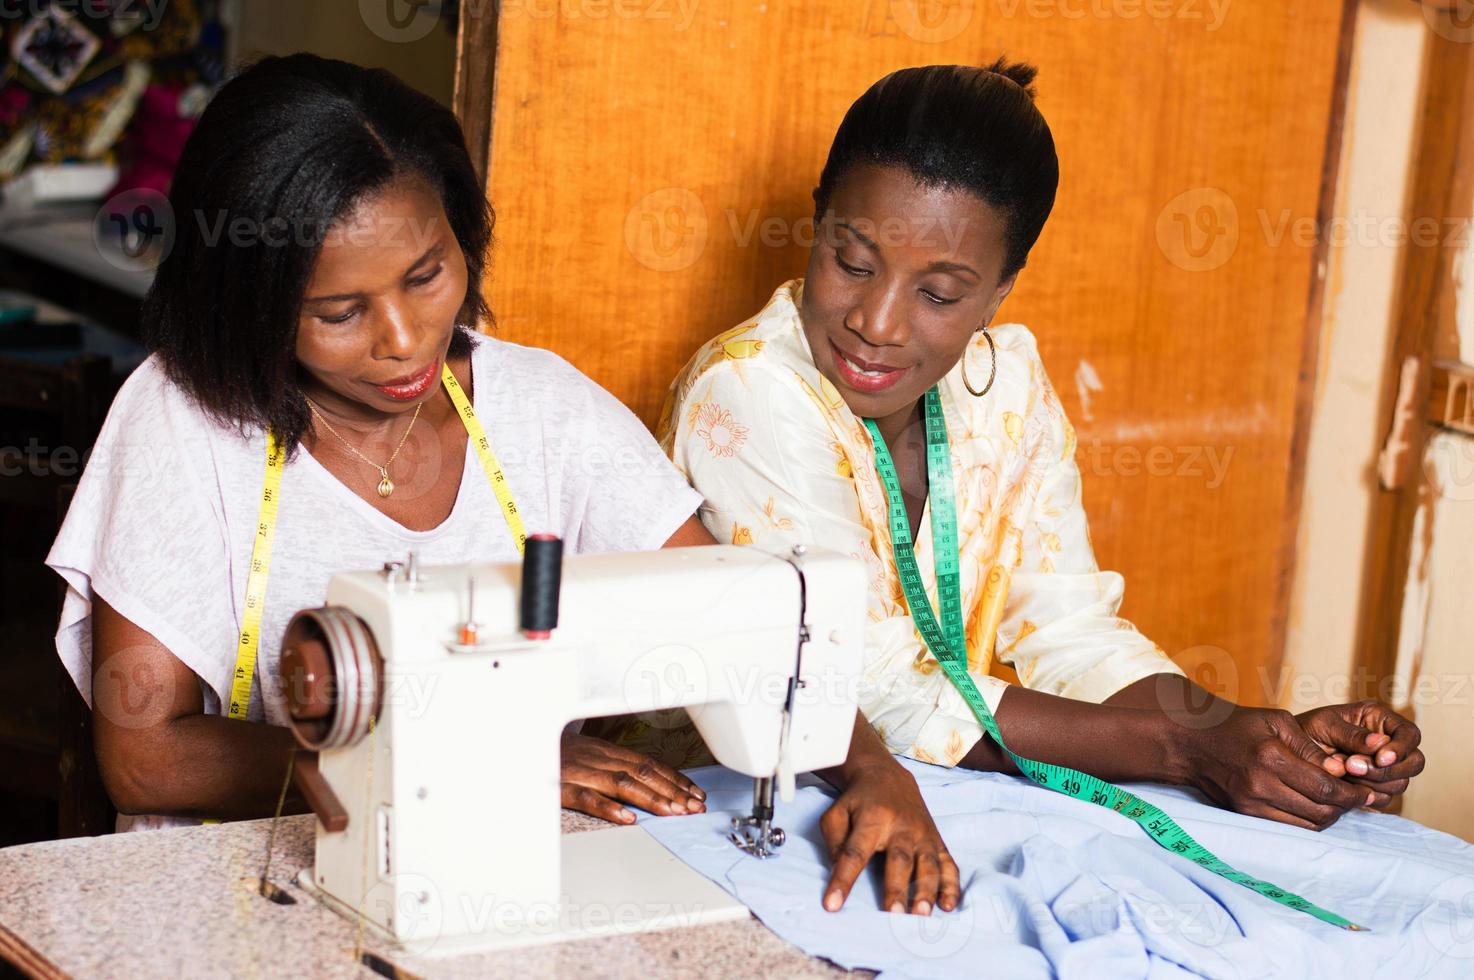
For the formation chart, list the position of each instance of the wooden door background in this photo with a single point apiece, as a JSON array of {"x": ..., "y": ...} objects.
[{"x": 651, "y": 163}]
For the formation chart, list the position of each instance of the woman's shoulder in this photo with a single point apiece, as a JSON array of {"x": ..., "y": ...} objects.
[
  {"x": 771, "y": 338},
  {"x": 763, "y": 361},
  {"x": 148, "y": 386},
  {"x": 758, "y": 370},
  {"x": 522, "y": 371},
  {"x": 151, "y": 406},
  {"x": 535, "y": 383}
]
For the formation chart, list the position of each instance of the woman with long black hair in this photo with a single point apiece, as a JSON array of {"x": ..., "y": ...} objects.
[{"x": 315, "y": 372}]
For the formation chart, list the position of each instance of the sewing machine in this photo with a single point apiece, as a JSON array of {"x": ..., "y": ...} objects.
[{"x": 433, "y": 701}]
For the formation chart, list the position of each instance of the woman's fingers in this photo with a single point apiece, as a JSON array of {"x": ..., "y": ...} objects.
[
  {"x": 928, "y": 882},
  {"x": 585, "y": 800},
  {"x": 835, "y": 826},
  {"x": 1313, "y": 794},
  {"x": 674, "y": 776},
  {"x": 635, "y": 777},
  {"x": 1329, "y": 726},
  {"x": 620, "y": 785},
  {"x": 1381, "y": 794},
  {"x": 1335, "y": 762},
  {"x": 1358, "y": 765},
  {"x": 1404, "y": 742},
  {"x": 951, "y": 891},
  {"x": 900, "y": 866},
  {"x": 646, "y": 791},
  {"x": 648, "y": 773},
  {"x": 856, "y": 850},
  {"x": 1404, "y": 769}
]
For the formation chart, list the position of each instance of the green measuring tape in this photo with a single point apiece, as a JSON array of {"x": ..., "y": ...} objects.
[{"x": 950, "y": 649}]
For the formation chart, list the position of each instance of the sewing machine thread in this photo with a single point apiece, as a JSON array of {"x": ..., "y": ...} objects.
[{"x": 542, "y": 577}]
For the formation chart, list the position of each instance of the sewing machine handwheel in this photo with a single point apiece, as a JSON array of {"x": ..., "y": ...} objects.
[{"x": 333, "y": 677}]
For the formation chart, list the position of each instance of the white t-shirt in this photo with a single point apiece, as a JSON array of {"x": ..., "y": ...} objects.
[{"x": 163, "y": 520}]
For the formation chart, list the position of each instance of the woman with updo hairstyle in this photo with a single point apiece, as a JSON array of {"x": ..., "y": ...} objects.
[{"x": 810, "y": 423}]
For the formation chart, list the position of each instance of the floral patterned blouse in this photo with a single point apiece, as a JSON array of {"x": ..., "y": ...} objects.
[{"x": 781, "y": 460}]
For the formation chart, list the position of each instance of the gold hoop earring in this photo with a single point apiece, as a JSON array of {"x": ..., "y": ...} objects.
[{"x": 992, "y": 374}]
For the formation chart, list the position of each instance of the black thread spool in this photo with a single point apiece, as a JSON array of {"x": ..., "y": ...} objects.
[{"x": 542, "y": 576}]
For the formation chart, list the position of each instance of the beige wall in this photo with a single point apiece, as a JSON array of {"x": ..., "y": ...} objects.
[
  {"x": 421, "y": 53},
  {"x": 1358, "y": 321},
  {"x": 1434, "y": 678},
  {"x": 1435, "y": 671}
]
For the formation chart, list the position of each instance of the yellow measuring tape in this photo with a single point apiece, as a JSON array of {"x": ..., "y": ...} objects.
[
  {"x": 489, "y": 462},
  {"x": 249, "y": 642}
]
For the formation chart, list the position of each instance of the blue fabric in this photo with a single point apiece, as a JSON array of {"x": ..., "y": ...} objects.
[{"x": 1058, "y": 887}]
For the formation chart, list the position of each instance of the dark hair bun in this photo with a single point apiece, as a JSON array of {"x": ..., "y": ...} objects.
[
  {"x": 1018, "y": 72},
  {"x": 958, "y": 126}
]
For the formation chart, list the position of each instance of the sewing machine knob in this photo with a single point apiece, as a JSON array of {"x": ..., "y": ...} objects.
[
  {"x": 776, "y": 837},
  {"x": 307, "y": 667},
  {"x": 332, "y": 675}
]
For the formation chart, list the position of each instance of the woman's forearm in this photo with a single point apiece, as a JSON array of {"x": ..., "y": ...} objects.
[
  {"x": 1109, "y": 741},
  {"x": 866, "y": 751},
  {"x": 206, "y": 766}
]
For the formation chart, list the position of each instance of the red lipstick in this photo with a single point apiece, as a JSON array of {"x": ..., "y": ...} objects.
[
  {"x": 864, "y": 375},
  {"x": 411, "y": 386}
]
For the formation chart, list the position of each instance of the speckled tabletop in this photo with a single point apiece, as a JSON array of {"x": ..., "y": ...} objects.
[{"x": 175, "y": 903}]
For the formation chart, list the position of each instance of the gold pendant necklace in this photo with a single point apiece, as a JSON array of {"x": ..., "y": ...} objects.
[{"x": 386, "y": 485}]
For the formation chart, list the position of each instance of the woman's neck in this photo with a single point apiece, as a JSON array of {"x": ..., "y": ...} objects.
[
  {"x": 893, "y": 426},
  {"x": 361, "y": 421}
]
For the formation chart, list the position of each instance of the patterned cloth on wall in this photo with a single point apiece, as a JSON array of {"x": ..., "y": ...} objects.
[{"x": 74, "y": 74}]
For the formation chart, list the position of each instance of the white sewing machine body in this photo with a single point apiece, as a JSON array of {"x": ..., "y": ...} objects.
[{"x": 453, "y": 840}]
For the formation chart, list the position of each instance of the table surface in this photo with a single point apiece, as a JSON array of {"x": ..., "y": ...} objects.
[{"x": 174, "y": 902}]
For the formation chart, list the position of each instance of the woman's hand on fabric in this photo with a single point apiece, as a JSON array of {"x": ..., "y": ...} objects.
[
  {"x": 1369, "y": 744},
  {"x": 599, "y": 777},
  {"x": 1261, "y": 762},
  {"x": 881, "y": 812}
]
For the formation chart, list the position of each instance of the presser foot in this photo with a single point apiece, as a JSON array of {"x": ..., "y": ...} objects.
[
  {"x": 756, "y": 837},
  {"x": 755, "y": 834}
]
